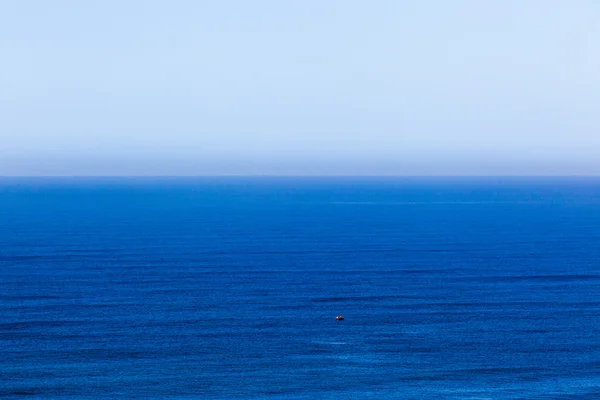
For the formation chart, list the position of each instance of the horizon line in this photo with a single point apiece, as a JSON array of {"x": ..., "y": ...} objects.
[{"x": 301, "y": 176}]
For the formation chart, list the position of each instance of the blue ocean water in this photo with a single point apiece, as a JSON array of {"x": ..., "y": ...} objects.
[{"x": 228, "y": 288}]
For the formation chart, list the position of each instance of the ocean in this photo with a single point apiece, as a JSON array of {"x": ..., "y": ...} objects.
[{"x": 228, "y": 288}]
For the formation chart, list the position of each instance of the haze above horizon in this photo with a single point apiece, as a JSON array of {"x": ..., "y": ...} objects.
[{"x": 392, "y": 88}]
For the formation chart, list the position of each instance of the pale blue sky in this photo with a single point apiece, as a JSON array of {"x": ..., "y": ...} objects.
[{"x": 187, "y": 87}]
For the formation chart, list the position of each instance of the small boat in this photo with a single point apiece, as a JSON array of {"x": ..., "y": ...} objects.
[{"x": 339, "y": 318}]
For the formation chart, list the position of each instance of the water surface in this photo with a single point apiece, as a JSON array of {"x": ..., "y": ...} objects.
[{"x": 228, "y": 288}]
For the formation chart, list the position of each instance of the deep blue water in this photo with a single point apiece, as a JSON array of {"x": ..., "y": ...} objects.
[{"x": 228, "y": 288}]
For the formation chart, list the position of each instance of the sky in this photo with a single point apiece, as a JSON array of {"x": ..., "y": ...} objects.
[{"x": 271, "y": 87}]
